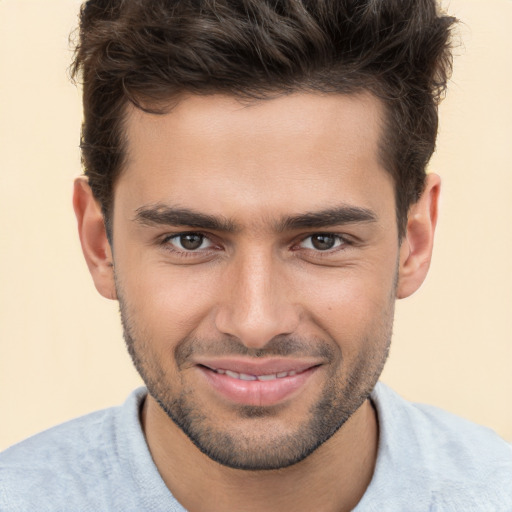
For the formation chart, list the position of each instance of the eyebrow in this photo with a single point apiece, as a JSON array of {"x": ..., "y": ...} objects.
[
  {"x": 161, "y": 214},
  {"x": 330, "y": 217}
]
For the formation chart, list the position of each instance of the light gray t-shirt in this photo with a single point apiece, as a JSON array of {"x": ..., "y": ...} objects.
[{"x": 428, "y": 460}]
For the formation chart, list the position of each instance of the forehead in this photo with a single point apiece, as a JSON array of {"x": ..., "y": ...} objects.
[{"x": 296, "y": 152}]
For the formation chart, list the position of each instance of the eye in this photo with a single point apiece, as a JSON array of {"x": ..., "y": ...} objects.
[
  {"x": 189, "y": 242},
  {"x": 322, "y": 242}
]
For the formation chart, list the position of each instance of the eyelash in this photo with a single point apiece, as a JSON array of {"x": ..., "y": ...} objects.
[
  {"x": 340, "y": 239},
  {"x": 165, "y": 243},
  {"x": 343, "y": 241}
]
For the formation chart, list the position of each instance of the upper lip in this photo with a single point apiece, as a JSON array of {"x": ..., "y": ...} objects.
[{"x": 265, "y": 366}]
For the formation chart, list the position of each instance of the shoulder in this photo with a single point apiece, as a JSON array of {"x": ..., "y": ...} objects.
[
  {"x": 67, "y": 466},
  {"x": 449, "y": 460},
  {"x": 443, "y": 436}
]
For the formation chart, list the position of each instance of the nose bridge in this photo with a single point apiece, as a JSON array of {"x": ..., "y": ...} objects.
[{"x": 257, "y": 306}]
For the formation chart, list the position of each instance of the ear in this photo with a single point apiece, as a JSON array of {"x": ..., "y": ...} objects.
[
  {"x": 93, "y": 237},
  {"x": 416, "y": 248}
]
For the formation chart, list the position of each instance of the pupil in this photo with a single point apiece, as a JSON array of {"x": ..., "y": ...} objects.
[
  {"x": 191, "y": 241},
  {"x": 322, "y": 242}
]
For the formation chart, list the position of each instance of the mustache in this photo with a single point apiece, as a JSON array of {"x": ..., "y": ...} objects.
[{"x": 279, "y": 346}]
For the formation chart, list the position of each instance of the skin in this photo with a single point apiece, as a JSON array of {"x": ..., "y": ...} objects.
[{"x": 259, "y": 287}]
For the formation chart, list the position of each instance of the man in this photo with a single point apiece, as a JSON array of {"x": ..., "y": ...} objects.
[{"x": 255, "y": 198}]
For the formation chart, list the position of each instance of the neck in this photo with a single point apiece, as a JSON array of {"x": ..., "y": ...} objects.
[{"x": 332, "y": 479}]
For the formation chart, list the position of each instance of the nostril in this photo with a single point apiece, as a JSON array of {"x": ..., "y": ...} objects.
[{"x": 257, "y": 331}]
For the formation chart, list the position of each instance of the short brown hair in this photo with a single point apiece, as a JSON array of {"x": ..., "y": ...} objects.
[{"x": 148, "y": 52}]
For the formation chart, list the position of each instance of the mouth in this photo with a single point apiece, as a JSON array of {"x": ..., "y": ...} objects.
[
  {"x": 257, "y": 384},
  {"x": 261, "y": 378}
]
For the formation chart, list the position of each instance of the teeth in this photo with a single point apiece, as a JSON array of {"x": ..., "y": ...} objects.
[
  {"x": 267, "y": 377},
  {"x": 245, "y": 376}
]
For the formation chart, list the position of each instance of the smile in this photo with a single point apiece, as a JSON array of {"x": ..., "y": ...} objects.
[
  {"x": 257, "y": 385},
  {"x": 247, "y": 377}
]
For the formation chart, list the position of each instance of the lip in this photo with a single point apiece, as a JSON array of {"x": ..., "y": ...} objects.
[
  {"x": 259, "y": 366},
  {"x": 257, "y": 392}
]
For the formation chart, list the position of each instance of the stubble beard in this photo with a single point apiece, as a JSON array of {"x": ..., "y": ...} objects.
[{"x": 346, "y": 389}]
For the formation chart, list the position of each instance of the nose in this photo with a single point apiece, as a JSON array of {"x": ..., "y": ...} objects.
[{"x": 258, "y": 302}]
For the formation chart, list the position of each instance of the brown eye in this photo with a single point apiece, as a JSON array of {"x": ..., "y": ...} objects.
[
  {"x": 323, "y": 242},
  {"x": 189, "y": 242}
]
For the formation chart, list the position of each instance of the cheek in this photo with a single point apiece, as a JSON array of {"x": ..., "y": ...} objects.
[
  {"x": 352, "y": 305},
  {"x": 168, "y": 302}
]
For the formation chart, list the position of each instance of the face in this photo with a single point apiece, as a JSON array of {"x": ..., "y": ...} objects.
[{"x": 255, "y": 254}]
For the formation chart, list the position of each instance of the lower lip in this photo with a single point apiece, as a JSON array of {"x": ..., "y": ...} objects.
[{"x": 255, "y": 392}]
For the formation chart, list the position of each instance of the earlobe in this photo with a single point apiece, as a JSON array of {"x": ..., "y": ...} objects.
[
  {"x": 93, "y": 237},
  {"x": 417, "y": 245}
]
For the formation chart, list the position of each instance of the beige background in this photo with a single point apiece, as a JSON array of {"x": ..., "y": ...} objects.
[{"x": 61, "y": 350}]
